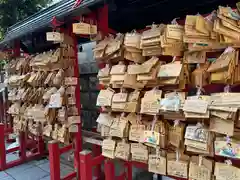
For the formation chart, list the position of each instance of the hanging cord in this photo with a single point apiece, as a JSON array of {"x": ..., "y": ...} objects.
[
  {"x": 227, "y": 88},
  {"x": 228, "y": 139},
  {"x": 174, "y": 59},
  {"x": 229, "y": 50},
  {"x": 211, "y": 17},
  {"x": 200, "y": 90},
  {"x": 177, "y": 155},
  {"x": 200, "y": 160},
  {"x": 174, "y": 21},
  {"x": 153, "y": 122},
  {"x": 176, "y": 123}
]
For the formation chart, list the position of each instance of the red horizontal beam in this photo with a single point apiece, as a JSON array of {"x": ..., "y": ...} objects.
[
  {"x": 70, "y": 176},
  {"x": 177, "y": 178},
  {"x": 83, "y": 36},
  {"x": 33, "y": 156},
  {"x": 8, "y": 131},
  {"x": 7, "y": 50},
  {"x": 65, "y": 149},
  {"x": 121, "y": 176},
  {"x": 14, "y": 163},
  {"x": 12, "y": 150},
  {"x": 21, "y": 161},
  {"x": 97, "y": 160},
  {"x": 111, "y": 31},
  {"x": 10, "y": 140}
]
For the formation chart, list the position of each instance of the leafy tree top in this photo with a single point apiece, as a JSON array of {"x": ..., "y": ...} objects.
[{"x": 13, "y": 11}]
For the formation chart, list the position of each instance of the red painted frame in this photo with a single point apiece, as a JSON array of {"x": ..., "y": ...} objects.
[
  {"x": 101, "y": 17},
  {"x": 88, "y": 162},
  {"x": 24, "y": 142},
  {"x": 53, "y": 146},
  {"x": 83, "y": 161},
  {"x": 22, "y": 148},
  {"x": 54, "y": 159}
]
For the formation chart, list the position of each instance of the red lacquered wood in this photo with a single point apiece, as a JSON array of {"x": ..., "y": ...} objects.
[{"x": 54, "y": 159}]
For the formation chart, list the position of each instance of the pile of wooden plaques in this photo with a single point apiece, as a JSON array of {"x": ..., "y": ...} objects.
[
  {"x": 147, "y": 115},
  {"x": 42, "y": 93}
]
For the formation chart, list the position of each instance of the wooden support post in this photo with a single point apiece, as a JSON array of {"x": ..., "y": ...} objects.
[
  {"x": 109, "y": 170},
  {"x": 2, "y": 149},
  {"x": 128, "y": 165},
  {"x": 54, "y": 160},
  {"x": 23, "y": 146},
  {"x": 85, "y": 165}
]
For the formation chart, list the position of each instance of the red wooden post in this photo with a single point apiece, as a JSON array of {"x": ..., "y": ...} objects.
[
  {"x": 102, "y": 20},
  {"x": 85, "y": 165},
  {"x": 77, "y": 148},
  {"x": 78, "y": 135},
  {"x": 54, "y": 160},
  {"x": 5, "y": 105},
  {"x": 2, "y": 149},
  {"x": 16, "y": 50},
  {"x": 40, "y": 145},
  {"x": 23, "y": 146},
  {"x": 1, "y": 107},
  {"x": 109, "y": 170},
  {"x": 96, "y": 152},
  {"x": 128, "y": 165}
]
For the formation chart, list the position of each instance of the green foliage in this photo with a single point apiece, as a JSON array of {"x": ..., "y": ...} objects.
[{"x": 13, "y": 11}]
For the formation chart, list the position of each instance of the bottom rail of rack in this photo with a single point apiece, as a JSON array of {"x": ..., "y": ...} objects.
[{"x": 88, "y": 161}]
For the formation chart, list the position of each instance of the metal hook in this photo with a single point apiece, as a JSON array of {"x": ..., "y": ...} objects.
[{"x": 174, "y": 21}]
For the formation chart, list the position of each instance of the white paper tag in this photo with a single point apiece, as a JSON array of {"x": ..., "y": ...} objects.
[
  {"x": 55, "y": 101},
  {"x": 195, "y": 106}
]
